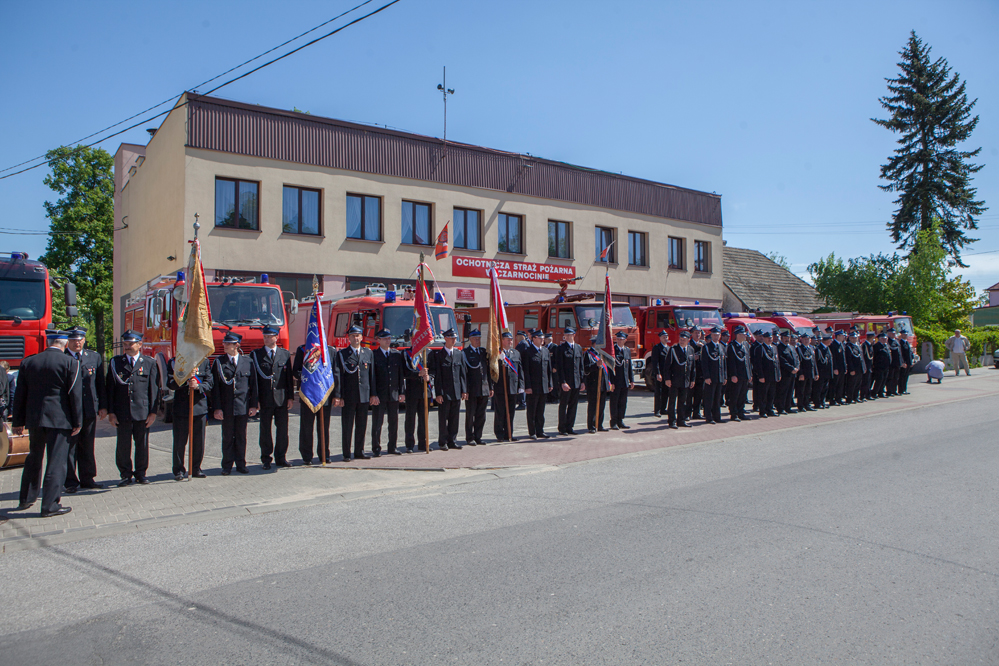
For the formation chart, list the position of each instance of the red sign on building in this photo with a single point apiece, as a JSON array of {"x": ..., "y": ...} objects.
[
  {"x": 510, "y": 270},
  {"x": 465, "y": 295}
]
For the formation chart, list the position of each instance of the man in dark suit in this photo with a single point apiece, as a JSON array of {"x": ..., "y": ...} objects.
[
  {"x": 909, "y": 357},
  {"x": 895, "y": 369},
  {"x": 537, "y": 383},
  {"x": 623, "y": 380},
  {"x": 82, "y": 467},
  {"x": 597, "y": 374},
  {"x": 234, "y": 396},
  {"x": 867, "y": 347},
  {"x": 417, "y": 391},
  {"x": 767, "y": 369},
  {"x": 447, "y": 366},
  {"x": 715, "y": 375},
  {"x": 310, "y": 421},
  {"x": 652, "y": 368},
  {"x": 553, "y": 395},
  {"x": 523, "y": 342},
  {"x": 354, "y": 379},
  {"x": 49, "y": 400},
  {"x": 695, "y": 396},
  {"x": 677, "y": 369},
  {"x": 824, "y": 370},
  {"x": 787, "y": 356},
  {"x": 510, "y": 385},
  {"x": 882, "y": 365},
  {"x": 739, "y": 368},
  {"x": 569, "y": 374},
  {"x": 132, "y": 389},
  {"x": 275, "y": 387},
  {"x": 200, "y": 383},
  {"x": 389, "y": 388},
  {"x": 807, "y": 373},
  {"x": 837, "y": 385},
  {"x": 854, "y": 368},
  {"x": 479, "y": 388}
]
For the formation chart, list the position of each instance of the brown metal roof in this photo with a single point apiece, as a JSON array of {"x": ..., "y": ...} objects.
[{"x": 246, "y": 129}]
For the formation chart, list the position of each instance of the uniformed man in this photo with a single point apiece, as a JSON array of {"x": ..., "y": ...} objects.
[
  {"x": 696, "y": 394},
  {"x": 837, "y": 385},
  {"x": 553, "y": 395},
  {"x": 788, "y": 358},
  {"x": 882, "y": 365},
  {"x": 479, "y": 388},
  {"x": 867, "y": 349},
  {"x": 310, "y": 421},
  {"x": 726, "y": 339},
  {"x": 354, "y": 378},
  {"x": 509, "y": 386},
  {"x": 895, "y": 369},
  {"x": 659, "y": 389},
  {"x": 48, "y": 400},
  {"x": 390, "y": 388},
  {"x": 824, "y": 369},
  {"x": 854, "y": 368},
  {"x": 909, "y": 358},
  {"x": 739, "y": 367},
  {"x": 416, "y": 391},
  {"x": 201, "y": 382},
  {"x": 523, "y": 342},
  {"x": 807, "y": 373},
  {"x": 537, "y": 383},
  {"x": 767, "y": 368},
  {"x": 753, "y": 351},
  {"x": 275, "y": 388},
  {"x": 82, "y": 467},
  {"x": 447, "y": 365},
  {"x": 569, "y": 374},
  {"x": 715, "y": 375},
  {"x": 596, "y": 375},
  {"x": 132, "y": 388},
  {"x": 623, "y": 380},
  {"x": 677, "y": 369},
  {"x": 234, "y": 396}
]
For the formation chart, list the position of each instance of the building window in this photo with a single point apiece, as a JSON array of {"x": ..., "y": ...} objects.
[
  {"x": 604, "y": 238},
  {"x": 364, "y": 217},
  {"x": 558, "y": 240},
  {"x": 675, "y": 252},
  {"x": 467, "y": 229},
  {"x": 236, "y": 203},
  {"x": 300, "y": 211},
  {"x": 416, "y": 223},
  {"x": 636, "y": 249},
  {"x": 511, "y": 233},
  {"x": 702, "y": 254}
]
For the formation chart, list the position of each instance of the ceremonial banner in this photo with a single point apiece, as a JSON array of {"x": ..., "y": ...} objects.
[
  {"x": 605, "y": 338},
  {"x": 424, "y": 334},
  {"x": 317, "y": 366},
  {"x": 194, "y": 325},
  {"x": 497, "y": 324}
]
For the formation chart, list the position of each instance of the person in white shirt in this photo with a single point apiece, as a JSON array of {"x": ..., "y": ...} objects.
[{"x": 958, "y": 346}]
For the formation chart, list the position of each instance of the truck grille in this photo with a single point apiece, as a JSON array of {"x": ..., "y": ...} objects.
[{"x": 12, "y": 347}]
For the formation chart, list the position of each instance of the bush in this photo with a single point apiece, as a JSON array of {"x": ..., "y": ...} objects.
[{"x": 982, "y": 338}]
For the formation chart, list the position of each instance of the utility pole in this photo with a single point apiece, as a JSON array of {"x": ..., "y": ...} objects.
[{"x": 445, "y": 91}]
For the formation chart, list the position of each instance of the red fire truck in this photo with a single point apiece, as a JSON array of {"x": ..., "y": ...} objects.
[
  {"x": 749, "y": 321},
  {"x": 791, "y": 321},
  {"x": 372, "y": 308},
  {"x": 868, "y": 322},
  {"x": 662, "y": 316},
  {"x": 26, "y": 306}
]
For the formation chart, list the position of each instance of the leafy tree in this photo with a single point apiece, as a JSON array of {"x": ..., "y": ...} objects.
[
  {"x": 931, "y": 112},
  {"x": 81, "y": 247},
  {"x": 780, "y": 260}
]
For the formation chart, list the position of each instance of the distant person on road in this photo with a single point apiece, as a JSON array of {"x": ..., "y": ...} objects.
[
  {"x": 958, "y": 346},
  {"x": 935, "y": 370}
]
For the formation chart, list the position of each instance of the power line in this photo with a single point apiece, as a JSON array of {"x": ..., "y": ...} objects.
[{"x": 256, "y": 69}]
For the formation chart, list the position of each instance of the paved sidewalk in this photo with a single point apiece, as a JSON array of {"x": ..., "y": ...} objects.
[{"x": 165, "y": 501}]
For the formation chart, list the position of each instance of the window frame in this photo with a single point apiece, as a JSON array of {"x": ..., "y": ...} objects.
[
  {"x": 500, "y": 230},
  {"x": 682, "y": 253},
  {"x": 236, "y": 182},
  {"x": 568, "y": 239},
  {"x": 644, "y": 246},
  {"x": 431, "y": 238},
  {"x": 319, "y": 212},
  {"x": 599, "y": 247},
  {"x": 364, "y": 208},
  {"x": 464, "y": 222},
  {"x": 705, "y": 259}
]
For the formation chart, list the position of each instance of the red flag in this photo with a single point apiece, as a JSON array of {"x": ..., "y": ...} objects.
[
  {"x": 608, "y": 334},
  {"x": 424, "y": 335},
  {"x": 441, "y": 251},
  {"x": 606, "y": 251}
]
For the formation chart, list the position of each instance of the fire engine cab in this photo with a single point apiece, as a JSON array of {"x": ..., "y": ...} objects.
[
  {"x": 663, "y": 316},
  {"x": 791, "y": 322},
  {"x": 748, "y": 321},
  {"x": 26, "y": 306}
]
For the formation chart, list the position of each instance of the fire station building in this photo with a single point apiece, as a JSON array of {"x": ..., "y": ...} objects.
[{"x": 295, "y": 195}]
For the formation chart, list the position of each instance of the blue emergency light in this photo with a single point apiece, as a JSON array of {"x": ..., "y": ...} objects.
[{"x": 265, "y": 278}]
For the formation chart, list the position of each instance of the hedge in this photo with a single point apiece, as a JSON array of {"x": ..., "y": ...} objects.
[{"x": 984, "y": 337}]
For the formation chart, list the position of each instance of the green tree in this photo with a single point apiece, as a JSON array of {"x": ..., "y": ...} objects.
[
  {"x": 81, "y": 246},
  {"x": 931, "y": 112},
  {"x": 780, "y": 260}
]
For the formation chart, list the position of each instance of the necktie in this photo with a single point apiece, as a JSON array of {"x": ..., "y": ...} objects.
[{"x": 131, "y": 361}]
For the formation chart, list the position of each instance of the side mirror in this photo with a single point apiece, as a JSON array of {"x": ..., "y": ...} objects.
[
  {"x": 293, "y": 306},
  {"x": 71, "y": 311},
  {"x": 69, "y": 293},
  {"x": 157, "y": 306}
]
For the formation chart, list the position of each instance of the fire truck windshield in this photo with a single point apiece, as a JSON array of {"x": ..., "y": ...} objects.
[
  {"x": 24, "y": 299},
  {"x": 244, "y": 305},
  {"x": 589, "y": 315},
  {"x": 702, "y": 318},
  {"x": 903, "y": 325},
  {"x": 398, "y": 318}
]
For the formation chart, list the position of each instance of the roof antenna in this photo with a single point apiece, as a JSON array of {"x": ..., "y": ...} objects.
[{"x": 445, "y": 91}]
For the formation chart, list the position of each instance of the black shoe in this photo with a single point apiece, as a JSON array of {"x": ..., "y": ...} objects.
[
  {"x": 709, "y": 423},
  {"x": 471, "y": 442},
  {"x": 764, "y": 416},
  {"x": 658, "y": 416},
  {"x": 614, "y": 427},
  {"x": 283, "y": 463},
  {"x": 199, "y": 475},
  {"x": 329, "y": 460},
  {"x": 623, "y": 426},
  {"x": 23, "y": 506},
  {"x": 396, "y": 452},
  {"x": 562, "y": 433},
  {"x": 734, "y": 419},
  {"x": 179, "y": 477},
  {"x": 266, "y": 466},
  {"x": 542, "y": 435},
  {"x": 226, "y": 472},
  {"x": 686, "y": 425},
  {"x": 347, "y": 458},
  {"x": 601, "y": 429},
  {"x": 480, "y": 442},
  {"x": 591, "y": 430},
  {"x": 61, "y": 511},
  {"x": 361, "y": 456},
  {"x": 242, "y": 470},
  {"x": 454, "y": 446},
  {"x": 409, "y": 449},
  {"x": 125, "y": 482},
  {"x": 92, "y": 486},
  {"x": 307, "y": 463},
  {"x": 142, "y": 481},
  {"x": 376, "y": 454},
  {"x": 70, "y": 491},
  {"x": 571, "y": 432}
]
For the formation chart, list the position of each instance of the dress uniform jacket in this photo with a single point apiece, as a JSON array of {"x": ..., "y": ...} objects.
[
  {"x": 132, "y": 391},
  {"x": 234, "y": 389},
  {"x": 789, "y": 363},
  {"x": 738, "y": 365},
  {"x": 896, "y": 365},
  {"x": 92, "y": 377},
  {"x": 354, "y": 378},
  {"x": 712, "y": 364},
  {"x": 275, "y": 377},
  {"x": 81, "y": 445},
  {"x": 854, "y": 371},
  {"x": 538, "y": 380},
  {"x": 568, "y": 365},
  {"x": 450, "y": 382},
  {"x": 882, "y": 367},
  {"x": 479, "y": 385},
  {"x": 766, "y": 367},
  {"x": 867, "y": 349},
  {"x": 807, "y": 374},
  {"x": 824, "y": 369},
  {"x": 414, "y": 390},
  {"x": 677, "y": 368},
  {"x": 908, "y": 355},
  {"x": 390, "y": 382},
  {"x": 652, "y": 370}
]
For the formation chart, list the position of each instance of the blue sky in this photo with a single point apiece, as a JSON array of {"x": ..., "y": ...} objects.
[{"x": 767, "y": 104}]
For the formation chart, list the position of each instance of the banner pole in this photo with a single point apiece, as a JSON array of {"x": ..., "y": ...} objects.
[
  {"x": 190, "y": 431},
  {"x": 506, "y": 402},
  {"x": 322, "y": 434},
  {"x": 426, "y": 381},
  {"x": 599, "y": 413}
]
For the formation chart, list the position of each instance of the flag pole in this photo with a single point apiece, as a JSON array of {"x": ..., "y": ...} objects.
[
  {"x": 426, "y": 396},
  {"x": 322, "y": 434},
  {"x": 190, "y": 392},
  {"x": 506, "y": 400}
]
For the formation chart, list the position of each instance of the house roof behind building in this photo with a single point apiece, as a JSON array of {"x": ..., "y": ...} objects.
[
  {"x": 994, "y": 287},
  {"x": 763, "y": 284},
  {"x": 257, "y": 131}
]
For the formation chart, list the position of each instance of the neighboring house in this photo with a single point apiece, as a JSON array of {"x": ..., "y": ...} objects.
[
  {"x": 754, "y": 282},
  {"x": 993, "y": 295}
]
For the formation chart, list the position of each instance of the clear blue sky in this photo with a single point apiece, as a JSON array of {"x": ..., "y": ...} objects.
[{"x": 767, "y": 104}]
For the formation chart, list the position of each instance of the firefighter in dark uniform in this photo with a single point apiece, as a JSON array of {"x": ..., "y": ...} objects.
[
  {"x": 553, "y": 395},
  {"x": 309, "y": 421},
  {"x": 479, "y": 388},
  {"x": 132, "y": 388},
  {"x": 523, "y": 342},
  {"x": 234, "y": 397},
  {"x": 82, "y": 467},
  {"x": 895, "y": 369},
  {"x": 511, "y": 380},
  {"x": 854, "y": 368},
  {"x": 677, "y": 369},
  {"x": 354, "y": 379},
  {"x": 201, "y": 382},
  {"x": 275, "y": 388},
  {"x": 537, "y": 382},
  {"x": 807, "y": 373},
  {"x": 739, "y": 367},
  {"x": 724, "y": 342},
  {"x": 593, "y": 366},
  {"x": 837, "y": 385},
  {"x": 658, "y": 388},
  {"x": 390, "y": 388},
  {"x": 447, "y": 366},
  {"x": 416, "y": 389},
  {"x": 696, "y": 394},
  {"x": 767, "y": 368},
  {"x": 48, "y": 399},
  {"x": 909, "y": 357},
  {"x": 569, "y": 375},
  {"x": 824, "y": 369},
  {"x": 882, "y": 365},
  {"x": 624, "y": 381},
  {"x": 755, "y": 384},
  {"x": 867, "y": 348},
  {"x": 715, "y": 375},
  {"x": 789, "y": 364}
]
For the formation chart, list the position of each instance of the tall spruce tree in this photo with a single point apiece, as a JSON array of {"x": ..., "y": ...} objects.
[{"x": 930, "y": 110}]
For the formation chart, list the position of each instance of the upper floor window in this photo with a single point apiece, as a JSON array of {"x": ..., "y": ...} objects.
[
  {"x": 364, "y": 217},
  {"x": 236, "y": 203},
  {"x": 604, "y": 238},
  {"x": 300, "y": 211},
  {"x": 467, "y": 229},
  {"x": 558, "y": 240},
  {"x": 636, "y": 249},
  {"x": 702, "y": 256},
  {"x": 676, "y": 252},
  {"x": 416, "y": 223},
  {"x": 511, "y": 229}
]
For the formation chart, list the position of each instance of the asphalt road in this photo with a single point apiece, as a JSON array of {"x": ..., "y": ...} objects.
[{"x": 868, "y": 541}]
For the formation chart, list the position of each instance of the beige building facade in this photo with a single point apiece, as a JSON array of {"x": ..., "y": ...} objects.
[{"x": 294, "y": 196}]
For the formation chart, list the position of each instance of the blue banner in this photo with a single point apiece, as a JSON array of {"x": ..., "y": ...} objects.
[{"x": 317, "y": 366}]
